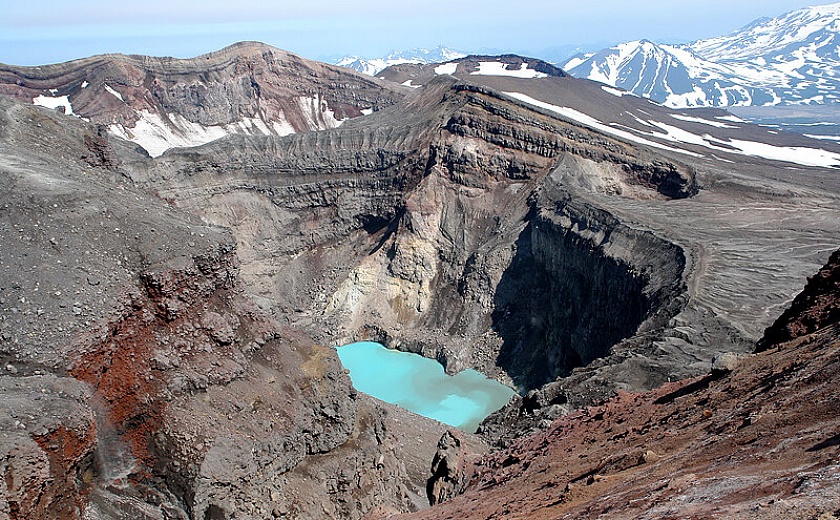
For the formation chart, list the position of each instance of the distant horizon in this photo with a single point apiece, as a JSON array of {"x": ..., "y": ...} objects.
[{"x": 59, "y": 32}]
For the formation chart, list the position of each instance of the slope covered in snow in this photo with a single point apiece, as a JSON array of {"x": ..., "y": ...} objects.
[{"x": 791, "y": 59}]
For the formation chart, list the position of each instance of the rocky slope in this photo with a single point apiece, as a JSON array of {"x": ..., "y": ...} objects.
[
  {"x": 813, "y": 309},
  {"x": 789, "y": 59},
  {"x": 498, "y": 218},
  {"x": 752, "y": 439},
  {"x": 248, "y": 88}
]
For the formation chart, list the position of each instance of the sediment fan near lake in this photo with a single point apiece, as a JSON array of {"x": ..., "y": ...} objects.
[{"x": 502, "y": 216}]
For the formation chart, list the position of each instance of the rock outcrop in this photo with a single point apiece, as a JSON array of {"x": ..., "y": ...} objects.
[
  {"x": 449, "y": 469},
  {"x": 48, "y": 442}
]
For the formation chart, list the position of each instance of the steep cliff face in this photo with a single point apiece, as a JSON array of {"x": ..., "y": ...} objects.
[
  {"x": 247, "y": 88},
  {"x": 581, "y": 282}
]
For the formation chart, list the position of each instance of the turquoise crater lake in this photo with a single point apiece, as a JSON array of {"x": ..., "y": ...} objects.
[{"x": 420, "y": 385}]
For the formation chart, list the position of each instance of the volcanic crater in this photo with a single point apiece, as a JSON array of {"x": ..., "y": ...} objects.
[{"x": 196, "y": 293}]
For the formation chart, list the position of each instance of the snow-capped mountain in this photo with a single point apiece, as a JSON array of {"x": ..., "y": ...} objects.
[
  {"x": 791, "y": 59},
  {"x": 371, "y": 67}
]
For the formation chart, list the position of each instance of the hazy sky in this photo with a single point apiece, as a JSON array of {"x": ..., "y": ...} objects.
[{"x": 50, "y": 31}]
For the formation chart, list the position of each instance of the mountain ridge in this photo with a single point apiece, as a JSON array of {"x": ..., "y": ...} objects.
[
  {"x": 247, "y": 87},
  {"x": 373, "y": 66},
  {"x": 789, "y": 59}
]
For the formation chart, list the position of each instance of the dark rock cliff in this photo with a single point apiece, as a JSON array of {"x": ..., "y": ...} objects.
[{"x": 580, "y": 283}]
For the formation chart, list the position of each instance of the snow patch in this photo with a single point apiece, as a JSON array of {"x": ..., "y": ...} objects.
[
  {"x": 823, "y": 137},
  {"x": 153, "y": 134},
  {"x": 690, "y": 119},
  {"x": 408, "y": 83},
  {"x": 591, "y": 122},
  {"x": 114, "y": 93},
  {"x": 318, "y": 114},
  {"x": 497, "y": 68},
  {"x": 446, "y": 68},
  {"x": 85, "y": 84},
  {"x": 695, "y": 98},
  {"x": 156, "y": 136},
  {"x": 54, "y": 102},
  {"x": 574, "y": 62},
  {"x": 678, "y": 135},
  {"x": 616, "y": 92},
  {"x": 792, "y": 154}
]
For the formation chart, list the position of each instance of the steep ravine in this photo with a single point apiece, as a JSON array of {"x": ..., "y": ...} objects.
[{"x": 581, "y": 281}]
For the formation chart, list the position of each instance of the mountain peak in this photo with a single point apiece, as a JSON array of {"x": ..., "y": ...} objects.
[
  {"x": 824, "y": 10},
  {"x": 792, "y": 58}
]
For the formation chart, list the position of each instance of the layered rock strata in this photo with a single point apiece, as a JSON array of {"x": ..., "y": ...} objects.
[{"x": 141, "y": 381}]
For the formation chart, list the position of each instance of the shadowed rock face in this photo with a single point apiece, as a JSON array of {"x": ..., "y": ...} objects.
[
  {"x": 576, "y": 288},
  {"x": 190, "y": 292}
]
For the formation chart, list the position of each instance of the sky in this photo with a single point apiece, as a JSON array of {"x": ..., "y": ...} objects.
[{"x": 53, "y": 31}]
